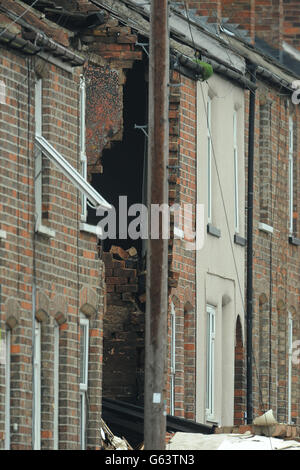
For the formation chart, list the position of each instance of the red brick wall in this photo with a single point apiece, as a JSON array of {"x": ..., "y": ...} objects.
[
  {"x": 210, "y": 8},
  {"x": 65, "y": 269},
  {"x": 271, "y": 20},
  {"x": 183, "y": 153},
  {"x": 275, "y": 260},
  {"x": 104, "y": 118},
  {"x": 239, "y": 376},
  {"x": 123, "y": 331},
  {"x": 240, "y": 12},
  {"x": 291, "y": 26}
]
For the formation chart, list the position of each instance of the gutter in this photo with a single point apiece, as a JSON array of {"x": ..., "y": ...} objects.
[
  {"x": 17, "y": 42},
  {"x": 235, "y": 76},
  {"x": 190, "y": 68},
  {"x": 62, "y": 52},
  {"x": 253, "y": 70},
  {"x": 274, "y": 79},
  {"x": 41, "y": 44}
]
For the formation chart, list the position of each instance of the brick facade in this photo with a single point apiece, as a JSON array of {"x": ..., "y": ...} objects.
[
  {"x": 124, "y": 331},
  {"x": 276, "y": 261},
  {"x": 183, "y": 261},
  {"x": 55, "y": 280},
  {"x": 64, "y": 271},
  {"x": 274, "y": 21}
]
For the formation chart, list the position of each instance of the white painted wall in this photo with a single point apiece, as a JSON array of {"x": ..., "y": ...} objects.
[{"x": 217, "y": 279}]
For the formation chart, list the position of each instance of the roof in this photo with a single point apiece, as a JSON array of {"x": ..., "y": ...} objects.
[
  {"x": 225, "y": 44},
  {"x": 25, "y": 29},
  {"x": 283, "y": 57}
]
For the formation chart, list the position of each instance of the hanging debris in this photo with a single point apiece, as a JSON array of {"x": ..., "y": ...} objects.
[{"x": 112, "y": 442}]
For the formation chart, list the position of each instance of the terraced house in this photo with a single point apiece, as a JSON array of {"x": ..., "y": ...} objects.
[
  {"x": 52, "y": 291},
  {"x": 74, "y": 79}
]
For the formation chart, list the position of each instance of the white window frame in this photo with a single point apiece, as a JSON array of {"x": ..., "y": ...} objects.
[
  {"x": 291, "y": 175},
  {"x": 43, "y": 147},
  {"x": 209, "y": 161},
  {"x": 2, "y": 92},
  {"x": 290, "y": 365},
  {"x": 73, "y": 175},
  {"x": 210, "y": 363},
  {"x": 82, "y": 144},
  {"x": 7, "y": 388},
  {"x": 173, "y": 359},
  {"x": 37, "y": 387},
  {"x": 84, "y": 322},
  {"x": 56, "y": 389},
  {"x": 38, "y": 154},
  {"x": 82, "y": 398},
  {"x": 236, "y": 172}
]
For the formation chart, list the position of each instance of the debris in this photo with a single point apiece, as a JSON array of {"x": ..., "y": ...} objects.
[
  {"x": 110, "y": 441},
  {"x": 247, "y": 441},
  {"x": 132, "y": 252},
  {"x": 119, "y": 252},
  {"x": 267, "y": 419}
]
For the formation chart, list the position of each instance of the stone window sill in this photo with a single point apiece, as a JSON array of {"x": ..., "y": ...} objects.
[
  {"x": 45, "y": 231},
  {"x": 214, "y": 231},
  {"x": 294, "y": 240},
  {"x": 238, "y": 240}
]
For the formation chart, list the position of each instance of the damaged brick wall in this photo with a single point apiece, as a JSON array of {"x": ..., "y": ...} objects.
[
  {"x": 111, "y": 48},
  {"x": 123, "y": 342},
  {"x": 104, "y": 118}
]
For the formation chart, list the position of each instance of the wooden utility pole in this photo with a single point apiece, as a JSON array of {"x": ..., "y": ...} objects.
[{"x": 157, "y": 250}]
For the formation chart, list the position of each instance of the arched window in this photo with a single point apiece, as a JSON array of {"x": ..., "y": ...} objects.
[
  {"x": 7, "y": 359},
  {"x": 239, "y": 376},
  {"x": 56, "y": 388},
  {"x": 84, "y": 368},
  {"x": 37, "y": 387},
  {"x": 173, "y": 359},
  {"x": 264, "y": 353}
]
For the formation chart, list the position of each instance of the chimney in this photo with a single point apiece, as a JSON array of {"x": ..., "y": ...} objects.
[
  {"x": 269, "y": 21},
  {"x": 291, "y": 22},
  {"x": 241, "y": 12},
  {"x": 274, "y": 21}
]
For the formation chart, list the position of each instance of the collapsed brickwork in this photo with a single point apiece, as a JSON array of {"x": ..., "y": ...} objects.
[
  {"x": 112, "y": 55},
  {"x": 124, "y": 329}
]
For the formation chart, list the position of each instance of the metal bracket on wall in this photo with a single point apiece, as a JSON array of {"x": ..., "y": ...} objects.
[
  {"x": 142, "y": 128},
  {"x": 143, "y": 45}
]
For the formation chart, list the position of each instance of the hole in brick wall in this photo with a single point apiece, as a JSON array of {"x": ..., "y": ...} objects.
[{"x": 124, "y": 162}]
